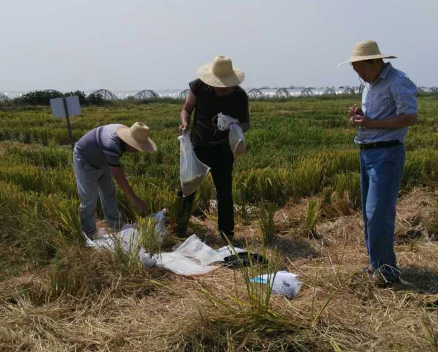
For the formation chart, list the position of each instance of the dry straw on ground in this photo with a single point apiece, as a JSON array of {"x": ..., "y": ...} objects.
[{"x": 338, "y": 308}]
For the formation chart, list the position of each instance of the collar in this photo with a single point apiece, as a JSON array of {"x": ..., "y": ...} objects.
[{"x": 386, "y": 69}]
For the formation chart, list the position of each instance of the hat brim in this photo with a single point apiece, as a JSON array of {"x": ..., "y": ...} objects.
[
  {"x": 125, "y": 135},
  {"x": 369, "y": 57},
  {"x": 208, "y": 77}
]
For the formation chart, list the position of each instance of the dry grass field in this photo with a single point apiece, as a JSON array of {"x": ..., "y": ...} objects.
[{"x": 57, "y": 295}]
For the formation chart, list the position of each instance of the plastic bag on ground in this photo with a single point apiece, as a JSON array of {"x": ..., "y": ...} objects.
[
  {"x": 108, "y": 241},
  {"x": 193, "y": 257},
  {"x": 193, "y": 247},
  {"x": 284, "y": 283},
  {"x": 182, "y": 265},
  {"x": 228, "y": 250},
  {"x": 192, "y": 171},
  {"x": 127, "y": 237}
]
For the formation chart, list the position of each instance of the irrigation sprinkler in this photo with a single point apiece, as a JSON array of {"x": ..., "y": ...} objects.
[
  {"x": 282, "y": 93},
  {"x": 348, "y": 90},
  {"x": 105, "y": 94},
  {"x": 307, "y": 92},
  {"x": 183, "y": 94},
  {"x": 66, "y": 107},
  {"x": 255, "y": 93},
  {"x": 146, "y": 94},
  {"x": 4, "y": 97},
  {"x": 329, "y": 91}
]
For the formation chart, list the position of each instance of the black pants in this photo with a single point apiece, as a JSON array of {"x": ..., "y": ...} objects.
[{"x": 220, "y": 160}]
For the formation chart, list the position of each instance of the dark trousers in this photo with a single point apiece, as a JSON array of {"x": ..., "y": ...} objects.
[{"x": 220, "y": 160}]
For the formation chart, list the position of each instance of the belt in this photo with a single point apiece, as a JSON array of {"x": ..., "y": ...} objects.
[{"x": 385, "y": 144}]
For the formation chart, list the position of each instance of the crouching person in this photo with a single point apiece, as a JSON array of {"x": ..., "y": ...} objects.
[{"x": 96, "y": 160}]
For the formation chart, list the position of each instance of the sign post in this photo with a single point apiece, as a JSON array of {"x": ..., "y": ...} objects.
[{"x": 66, "y": 107}]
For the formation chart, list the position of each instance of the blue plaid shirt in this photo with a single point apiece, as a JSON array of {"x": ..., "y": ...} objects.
[{"x": 392, "y": 94}]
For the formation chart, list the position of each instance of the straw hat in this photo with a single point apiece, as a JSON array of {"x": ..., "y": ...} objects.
[
  {"x": 137, "y": 136},
  {"x": 220, "y": 73},
  {"x": 367, "y": 50}
]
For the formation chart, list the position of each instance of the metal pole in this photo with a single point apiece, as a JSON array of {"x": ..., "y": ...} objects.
[{"x": 68, "y": 123}]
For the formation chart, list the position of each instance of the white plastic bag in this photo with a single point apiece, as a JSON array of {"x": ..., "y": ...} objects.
[
  {"x": 160, "y": 225},
  {"x": 284, "y": 283},
  {"x": 182, "y": 265},
  {"x": 193, "y": 247},
  {"x": 224, "y": 121},
  {"x": 127, "y": 237},
  {"x": 193, "y": 257},
  {"x": 236, "y": 139},
  {"x": 192, "y": 171}
]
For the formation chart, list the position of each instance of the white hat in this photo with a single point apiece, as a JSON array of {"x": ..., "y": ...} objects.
[
  {"x": 137, "y": 136},
  {"x": 367, "y": 50},
  {"x": 220, "y": 73}
]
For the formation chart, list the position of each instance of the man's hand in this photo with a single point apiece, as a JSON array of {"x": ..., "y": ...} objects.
[
  {"x": 184, "y": 127},
  {"x": 126, "y": 188},
  {"x": 354, "y": 110},
  {"x": 354, "y": 113},
  {"x": 390, "y": 123},
  {"x": 139, "y": 204},
  {"x": 359, "y": 120}
]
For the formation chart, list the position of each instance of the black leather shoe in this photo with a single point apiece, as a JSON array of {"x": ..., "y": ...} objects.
[
  {"x": 384, "y": 280},
  {"x": 369, "y": 270}
]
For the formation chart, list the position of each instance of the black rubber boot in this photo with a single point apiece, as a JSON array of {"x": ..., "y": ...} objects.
[{"x": 229, "y": 238}]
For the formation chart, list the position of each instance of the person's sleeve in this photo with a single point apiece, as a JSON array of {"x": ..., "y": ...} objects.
[
  {"x": 404, "y": 92},
  {"x": 196, "y": 86}
]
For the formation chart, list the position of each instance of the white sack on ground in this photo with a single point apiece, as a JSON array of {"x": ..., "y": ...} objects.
[
  {"x": 228, "y": 250},
  {"x": 182, "y": 265},
  {"x": 127, "y": 238},
  {"x": 194, "y": 248},
  {"x": 193, "y": 257},
  {"x": 284, "y": 283}
]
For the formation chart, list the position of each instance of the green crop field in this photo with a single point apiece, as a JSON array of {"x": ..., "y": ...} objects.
[{"x": 297, "y": 197}]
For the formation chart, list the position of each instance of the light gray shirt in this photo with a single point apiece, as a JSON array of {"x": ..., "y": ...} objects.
[
  {"x": 101, "y": 147},
  {"x": 392, "y": 94}
]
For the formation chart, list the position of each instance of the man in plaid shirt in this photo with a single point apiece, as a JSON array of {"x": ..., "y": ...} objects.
[{"x": 389, "y": 106}]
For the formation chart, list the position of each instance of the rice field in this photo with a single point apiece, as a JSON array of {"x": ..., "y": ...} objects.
[{"x": 297, "y": 198}]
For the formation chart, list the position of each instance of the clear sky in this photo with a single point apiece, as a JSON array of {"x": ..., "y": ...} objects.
[{"x": 144, "y": 44}]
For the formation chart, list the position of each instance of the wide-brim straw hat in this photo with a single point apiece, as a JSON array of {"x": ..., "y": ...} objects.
[
  {"x": 367, "y": 50},
  {"x": 137, "y": 136},
  {"x": 220, "y": 73}
]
